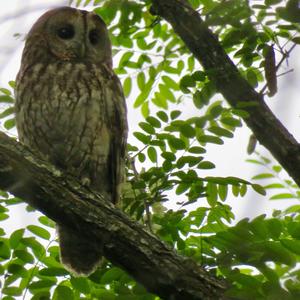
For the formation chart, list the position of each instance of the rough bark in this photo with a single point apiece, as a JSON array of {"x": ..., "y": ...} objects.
[
  {"x": 126, "y": 243},
  {"x": 268, "y": 130}
]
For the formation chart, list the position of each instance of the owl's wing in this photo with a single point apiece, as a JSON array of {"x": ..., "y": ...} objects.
[{"x": 119, "y": 129}]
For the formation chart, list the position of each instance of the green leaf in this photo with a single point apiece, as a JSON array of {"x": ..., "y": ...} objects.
[
  {"x": 63, "y": 292},
  {"x": 294, "y": 229},
  {"x": 125, "y": 58},
  {"x": 168, "y": 155},
  {"x": 296, "y": 40},
  {"x": 9, "y": 124},
  {"x": 152, "y": 154},
  {"x": 212, "y": 194},
  {"x": 36, "y": 247},
  {"x": 142, "y": 97},
  {"x": 147, "y": 127},
  {"x": 190, "y": 160},
  {"x": 175, "y": 114},
  {"x": 240, "y": 113},
  {"x": 259, "y": 189},
  {"x": 275, "y": 228},
  {"x": 145, "y": 109},
  {"x": 12, "y": 291},
  {"x": 46, "y": 221},
  {"x": 25, "y": 256},
  {"x": 127, "y": 86},
  {"x": 263, "y": 176},
  {"x": 6, "y": 99},
  {"x": 259, "y": 227},
  {"x": 223, "y": 191},
  {"x": 42, "y": 284},
  {"x": 39, "y": 231},
  {"x": 145, "y": 139},
  {"x": 274, "y": 186},
  {"x": 236, "y": 190},
  {"x": 4, "y": 250},
  {"x": 3, "y": 216},
  {"x": 272, "y": 2},
  {"x": 210, "y": 139},
  {"x": 5, "y": 91},
  {"x": 81, "y": 284},
  {"x": 186, "y": 82},
  {"x": 7, "y": 112},
  {"x": 167, "y": 165},
  {"x": 163, "y": 116},
  {"x": 199, "y": 76},
  {"x": 15, "y": 238},
  {"x": 276, "y": 252},
  {"x": 231, "y": 122},
  {"x": 170, "y": 83},
  {"x": 17, "y": 270},
  {"x": 166, "y": 93},
  {"x": 220, "y": 131},
  {"x": 252, "y": 78},
  {"x": 153, "y": 121},
  {"x": 187, "y": 130},
  {"x": 206, "y": 165},
  {"x": 291, "y": 12},
  {"x": 197, "y": 150},
  {"x": 292, "y": 245},
  {"x": 104, "y": 294},
  {"x": 111, "y": 275},
  {"x": 53, "y": 272},
  {"x": 141, "y": 80},
  {"x": 277, "y": 169},
  {"x": 216, "y": 109},
  {"x": 181, "y": 188},
  {"x": 141, "y": 157},
  {"x": 283, "y": 196},
  {"x": 160, "y": 101},
  {"x": 43, "y": 295},
  {"x": 176, "y": 143},
  {"x": 202, "y": 97}
]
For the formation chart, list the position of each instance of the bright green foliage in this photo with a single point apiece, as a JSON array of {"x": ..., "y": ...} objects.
[{"x": 168, "y": 161}]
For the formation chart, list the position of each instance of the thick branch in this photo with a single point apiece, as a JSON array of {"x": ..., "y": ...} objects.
[
  {"x": 126, "y": 243},
  {"x": 269, "y": 131}
]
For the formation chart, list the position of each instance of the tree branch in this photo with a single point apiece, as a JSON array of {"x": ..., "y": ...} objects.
[
  {"x": 125, "y": 242},
  {"x": 268, "y": 130}
]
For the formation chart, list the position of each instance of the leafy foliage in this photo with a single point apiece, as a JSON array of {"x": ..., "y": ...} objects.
[{"x": 167, "y": 161}]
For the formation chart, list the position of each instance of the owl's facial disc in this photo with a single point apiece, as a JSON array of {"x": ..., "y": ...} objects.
[{"x": 75, "y": 35}]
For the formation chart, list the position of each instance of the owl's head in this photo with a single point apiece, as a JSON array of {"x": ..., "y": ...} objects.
[{"x": 68, "y": 34}]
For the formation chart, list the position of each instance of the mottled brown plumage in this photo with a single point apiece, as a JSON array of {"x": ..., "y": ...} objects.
[{"x": 71, "y": 110}]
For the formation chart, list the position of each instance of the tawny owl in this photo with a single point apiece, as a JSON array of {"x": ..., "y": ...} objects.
[{"x": 71, "y": 110}]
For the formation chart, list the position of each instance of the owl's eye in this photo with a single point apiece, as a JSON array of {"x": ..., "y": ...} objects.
[
  {"x": 94, "y": 36},
  {"x": 66, "y": 32}
]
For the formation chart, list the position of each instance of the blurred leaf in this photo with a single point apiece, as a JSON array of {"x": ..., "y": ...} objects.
[
  {"x": 39, "y": 231},
  {"x": 15, "y": 238},
  {"x": 127, "y": 86},
  {"x": 63, "y": 292}
]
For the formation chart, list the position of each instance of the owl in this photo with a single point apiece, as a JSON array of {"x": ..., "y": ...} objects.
[{"x": 70, "y": 110}]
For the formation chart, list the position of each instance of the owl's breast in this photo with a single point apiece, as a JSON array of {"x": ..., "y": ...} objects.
[{"x": 62, "y": 111}]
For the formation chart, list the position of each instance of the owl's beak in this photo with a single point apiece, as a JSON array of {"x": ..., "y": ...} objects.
[{"x": 81, "y": 49}]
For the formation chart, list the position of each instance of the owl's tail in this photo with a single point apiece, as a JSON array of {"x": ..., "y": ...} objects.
[{"x": 79, "y": 255}]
